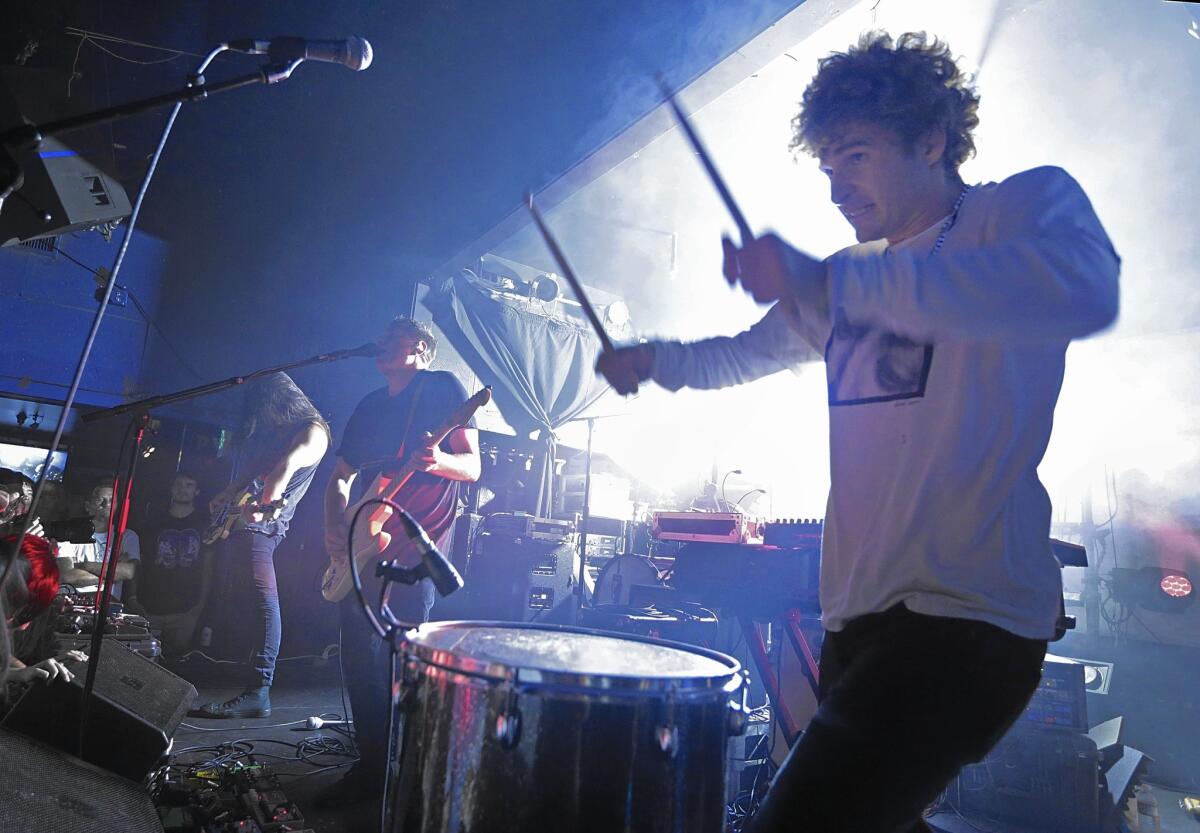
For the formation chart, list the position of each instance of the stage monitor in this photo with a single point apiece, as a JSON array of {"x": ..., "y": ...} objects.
[{"x": 29, "y": 460}]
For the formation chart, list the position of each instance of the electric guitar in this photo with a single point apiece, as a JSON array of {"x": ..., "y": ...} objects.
[
  {"x": 370, "y": 539},
  {"x": 224, "y": 518}
]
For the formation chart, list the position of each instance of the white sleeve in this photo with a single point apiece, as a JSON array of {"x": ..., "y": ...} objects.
[
  {"x": 772, "y": 344},
  {"x": 1048, "y": 271},
  {"x": 131, "y": 547}
]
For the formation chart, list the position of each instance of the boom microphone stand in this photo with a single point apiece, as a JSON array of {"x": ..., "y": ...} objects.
[
  {"x": 123, "y": 489},
  {"x": 27, "y": 137}
]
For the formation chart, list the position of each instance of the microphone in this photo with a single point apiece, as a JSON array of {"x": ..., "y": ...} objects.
[
  {"x": 367, "y": 350},
  {"x": 445, "y": 578},
  {"x": 363, "y": 350},
  {"x": 317, "y": 722},
  {"x": 353, "y": 52}
]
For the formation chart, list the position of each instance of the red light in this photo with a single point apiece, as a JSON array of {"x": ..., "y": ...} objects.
[{"x": 1176, "y": 586}]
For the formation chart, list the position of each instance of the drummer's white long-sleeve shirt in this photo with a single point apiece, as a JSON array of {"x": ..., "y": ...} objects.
[{"x": 943, "y": 372}]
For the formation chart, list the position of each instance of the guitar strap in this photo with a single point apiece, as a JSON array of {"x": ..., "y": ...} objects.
[{"x": 412, "y": 413}]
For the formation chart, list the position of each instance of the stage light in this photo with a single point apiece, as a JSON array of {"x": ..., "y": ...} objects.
[
  {"x": 1176, "y": 585},
  {"x": 1161, "y": 589},
  {"x": 616, "y": 315},
  {"x": 546, "y": 288}
]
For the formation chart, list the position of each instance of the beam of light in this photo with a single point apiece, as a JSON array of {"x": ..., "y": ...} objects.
[{"x": 1104, "y": 96}]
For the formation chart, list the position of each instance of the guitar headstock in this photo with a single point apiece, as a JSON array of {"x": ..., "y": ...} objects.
[{"x": 463, "y": 413}]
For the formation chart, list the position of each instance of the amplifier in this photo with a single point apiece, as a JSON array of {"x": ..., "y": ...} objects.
[
  {"x": 710, "y": 527},
  {"x": 146, "y": 645},
  {"x": 608, "y": 527},
  {"x": 760, "y": 581},
  {"x": 604, "y": 546},
  {"x": 1045, "y": 780},
  {"x": 521, "y": 526},
  {"x": 1060, "y": 700},
  {"x": 794, "y": 532},
  {"x": 515, "y": 580}
]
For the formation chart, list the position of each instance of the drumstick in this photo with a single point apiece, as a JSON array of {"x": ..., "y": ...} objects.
[
  {"x": 561, "y": 259},
  {"x": 726, "y": 197}
]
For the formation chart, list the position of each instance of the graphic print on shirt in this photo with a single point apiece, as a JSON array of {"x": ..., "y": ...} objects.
[
  {"x": 868, "y": 364},
  {"x": 177, "y": 549}
]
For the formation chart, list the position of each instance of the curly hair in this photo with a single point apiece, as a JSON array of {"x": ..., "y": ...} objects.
[{"x": 910, "y": 86}]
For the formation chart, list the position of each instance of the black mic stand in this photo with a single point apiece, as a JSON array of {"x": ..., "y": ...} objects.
[
  {"x": 29, "y": 136},
  {"x": 123, "y": 489}
]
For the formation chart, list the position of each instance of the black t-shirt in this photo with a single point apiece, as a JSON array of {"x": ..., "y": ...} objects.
[
  {"x": 376, "y": 432},
  {"x": 170, "y": 574}
]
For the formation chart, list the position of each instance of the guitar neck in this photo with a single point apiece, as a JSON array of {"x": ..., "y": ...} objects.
[{"x": 410, "y": 465}]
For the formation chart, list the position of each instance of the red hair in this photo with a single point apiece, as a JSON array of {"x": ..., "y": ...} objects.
[{"x": 42, "y": 582}]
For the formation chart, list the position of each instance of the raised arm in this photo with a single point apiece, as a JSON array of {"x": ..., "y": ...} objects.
[
  {"x": 307, "y": 449},
  {"x": 1050, "y": 274},
  {"x": 461, "y": 462},
  {"x": 779, "y": 340}
]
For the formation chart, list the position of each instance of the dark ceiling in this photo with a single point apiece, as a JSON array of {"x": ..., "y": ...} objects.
[{"x": 299, "y": 215}]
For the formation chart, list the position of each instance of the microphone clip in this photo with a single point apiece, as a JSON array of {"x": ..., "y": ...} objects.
[{"x": 393, "y": 570}]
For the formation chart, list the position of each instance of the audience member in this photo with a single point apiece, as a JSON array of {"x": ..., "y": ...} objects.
[
  {"x": 79, "y": 564},
  {"x": 174, "y": 576}
]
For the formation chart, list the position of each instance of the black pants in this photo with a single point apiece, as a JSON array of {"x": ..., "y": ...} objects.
[
  {"x": 367, "y": 667},
  {"x": 906, "y": 701}
]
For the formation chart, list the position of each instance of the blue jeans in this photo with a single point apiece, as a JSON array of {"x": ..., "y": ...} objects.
[{"x": 253, "y": 557}]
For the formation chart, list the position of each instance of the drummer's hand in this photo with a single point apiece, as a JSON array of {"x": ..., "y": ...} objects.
[
  {"x": 770, "y": 270},
  {"x": 36, "y": 529},
  {"x": 626, "y": 367}
]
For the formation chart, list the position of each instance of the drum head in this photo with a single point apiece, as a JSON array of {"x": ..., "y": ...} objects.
[
  {"x": 620, "y": 575},
  {"x": 548, "y": 654}
]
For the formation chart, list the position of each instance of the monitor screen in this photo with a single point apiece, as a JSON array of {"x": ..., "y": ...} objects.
[{"x": 29, "y": 460}]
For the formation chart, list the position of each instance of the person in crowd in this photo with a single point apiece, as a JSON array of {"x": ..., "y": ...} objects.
[
  {"x": 175, "y": 574},
  {"x": 80, "y": 564}
]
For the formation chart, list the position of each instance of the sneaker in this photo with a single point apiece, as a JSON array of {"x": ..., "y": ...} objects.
[{"x": 253, "y": 702}]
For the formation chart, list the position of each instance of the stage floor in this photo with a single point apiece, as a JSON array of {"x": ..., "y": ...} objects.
[
  {"x": 303, "y": 688},
  {"x": 307, "y": 687}
]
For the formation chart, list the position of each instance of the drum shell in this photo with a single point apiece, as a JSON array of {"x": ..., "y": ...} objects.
[{"x": 582, "y": 759}]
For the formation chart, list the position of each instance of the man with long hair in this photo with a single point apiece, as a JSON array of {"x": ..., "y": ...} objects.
[
  {"x": 285, "y": 438},
  {"x": 390, "y": 423},
  {"x": 944, "y": 336}
]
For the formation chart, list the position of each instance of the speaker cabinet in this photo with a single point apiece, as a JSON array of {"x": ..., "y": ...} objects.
[
  {"x": 136, "y": 707},
  {"x": 521, "y": 580},
  {"x": 45, "y": 790}
]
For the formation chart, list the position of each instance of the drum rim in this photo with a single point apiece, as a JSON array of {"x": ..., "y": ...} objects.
[{"x": 524, "y": 676}]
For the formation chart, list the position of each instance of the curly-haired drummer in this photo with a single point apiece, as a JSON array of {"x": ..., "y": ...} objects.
[{"x": 944, "y": 334}]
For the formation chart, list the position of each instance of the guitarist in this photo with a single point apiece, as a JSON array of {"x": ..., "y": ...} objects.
[
  {"x": 398, "y": 417},
  {"x": 286, "y": 437}
]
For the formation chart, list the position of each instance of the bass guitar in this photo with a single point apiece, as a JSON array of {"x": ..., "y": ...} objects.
[
  {"x": 370, "y": 539},
  {"x": 230, "y": 512}
]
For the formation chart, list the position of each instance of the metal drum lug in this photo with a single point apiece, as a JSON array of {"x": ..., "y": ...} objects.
[
  {"x": 508, "y": 722},
  {"x": 666, "y": 734},
  {"x": 739, "y": 711}
]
